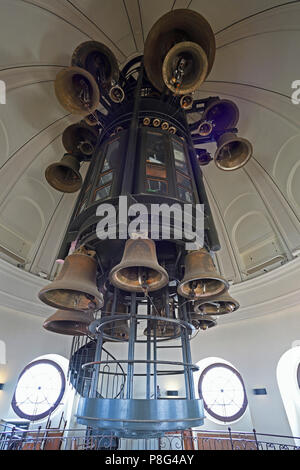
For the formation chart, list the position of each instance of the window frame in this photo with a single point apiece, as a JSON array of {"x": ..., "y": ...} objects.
[
  {"x": 224, "y": 419},
  {"x": 43, "y": 415}
]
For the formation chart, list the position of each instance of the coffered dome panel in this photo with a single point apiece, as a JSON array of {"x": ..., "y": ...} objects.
[{"x": 256, "y": 209}]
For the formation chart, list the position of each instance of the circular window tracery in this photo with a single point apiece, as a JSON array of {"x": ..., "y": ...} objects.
[
  {"x": 40, "y": 388},
  {"x": 223, "y": 392}
]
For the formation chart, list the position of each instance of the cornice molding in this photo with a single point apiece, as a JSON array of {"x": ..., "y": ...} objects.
[{"x": 272, "y": 292}]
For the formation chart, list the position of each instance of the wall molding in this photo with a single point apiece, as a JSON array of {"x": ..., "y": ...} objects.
[{"x": 272, "y": 292}]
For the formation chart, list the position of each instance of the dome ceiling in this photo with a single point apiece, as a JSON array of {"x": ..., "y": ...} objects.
[{"x": 256, "y": 209}]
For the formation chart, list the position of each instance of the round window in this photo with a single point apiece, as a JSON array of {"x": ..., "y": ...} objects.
[
  {"x": 223, "y": 392},
  {"x": 39, "y": 390}
]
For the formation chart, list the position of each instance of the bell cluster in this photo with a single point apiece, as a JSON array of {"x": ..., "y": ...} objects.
[{"x": 178, "y": 57}]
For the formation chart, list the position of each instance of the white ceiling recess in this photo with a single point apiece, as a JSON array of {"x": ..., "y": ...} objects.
[{"x": 256, "y": 209}]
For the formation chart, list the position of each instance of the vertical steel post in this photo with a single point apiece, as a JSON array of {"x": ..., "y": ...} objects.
[
  {"x": 148, "y": 383},
  {"x": 131, "y": 342},
  {"x": 187, "y": 358},
  {"x": 95, "y": 377},
  {"x": 132, "y": 141}
]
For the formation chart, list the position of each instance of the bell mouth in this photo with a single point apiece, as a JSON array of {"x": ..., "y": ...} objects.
[
  {"x": 203, "y": 321},
  {"x": 233, "y": 155},
  {"x": 86, "y": 148},
  {"x": 215, "y": 308},
  {"x": 131, "y": 279},
  {"x": 202, "y": 288},
  {"x": 195, "y": 68},
  {"x": 66, "y": 328},
  {"x": 205, "y": 129},
  {"x": 116, "y": 94},
  {"x": 67, "y": 299},
  {"x": 77, "y": 91},
  {"x": 98, "y": 60},
  {"x": 224, "y": 114},
  {"x": 63, "y": 178}
]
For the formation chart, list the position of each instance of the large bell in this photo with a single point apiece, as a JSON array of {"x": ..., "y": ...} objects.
[
  {"x": 80, "y": 139},
  {"x": 77, "y": 91},
  {"x": 203, "y": 322},
  {"x": 160, "y": 328},
  {"x": 119, "y": 329},
  {"x": 64, "y": 176},
  {"x": 224, "y": 114},
  {"x": 139, "y": 270},
  {"x": 68, "y": 322},
  {"x": 201, "y": 279},
  {"x": 98, "y": 60},
  {"x": 179, "y": 51},
  {"x": 75, "y": 287},
  {"x": 233, "y": 152},
  {"x": 220, "y": 305}
]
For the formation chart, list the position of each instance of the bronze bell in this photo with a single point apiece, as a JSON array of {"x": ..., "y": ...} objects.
[
  {"x": 75, "y": 287},
  {"x": 77, "y": 91},
  {"x": 205, "y": 128},
  {"x": 116, "y": 94},
  {"x": 203, "y": 321},
  {"x": 64, "y": 176},
  {"x": 201, "y": 279},
  {"x": 233, "y": 152},
  {"x": 68, "y": 322},
  {"x": 220, "y": 305},
  {"x": 224, "y": 114},
  {"x": 186, "y": 102},
  {"x": 139, "y": 270},
  {"x": 119, "y": 329},
  {"x": 80, "y": 139},
  {"x": 160, "y": 328},
  {"x": 179, "y": 51},
  {"x": 98, "y": 60},
  {"x": 92, "y": 120}
]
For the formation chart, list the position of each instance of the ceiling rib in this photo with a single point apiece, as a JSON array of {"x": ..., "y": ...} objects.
[
  {"x": 256, "y": 14},
  {"x": 96, "y": 26}
]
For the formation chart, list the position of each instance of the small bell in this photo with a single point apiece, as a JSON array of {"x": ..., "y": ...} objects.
[
  {"x": 139, "y": 270},
  {"x": 64, "y": 176},
  {"x": 233, "y": 152},
  {"x": 68, "y": 322},
  {"x": 224, "y": 114},
  {"x": 77, "y": 91},
  {"x": 204, "y": 322},
  {"x": 201, "y": 279},
  {"x": 119, "y": 329},
  {"x": 220, "y": 305},
  {"x": 75, "y": 286},
  {"x": 99, "y": 61},
  {"x": 80, "y": 140}
]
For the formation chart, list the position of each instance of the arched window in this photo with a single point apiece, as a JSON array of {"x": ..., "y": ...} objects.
[
  {"x": 223, "y": 392},
  {"x": 40, "y": 388}
]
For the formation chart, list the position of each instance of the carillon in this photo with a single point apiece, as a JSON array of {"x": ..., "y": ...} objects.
[{"x": 137, "y": 133}]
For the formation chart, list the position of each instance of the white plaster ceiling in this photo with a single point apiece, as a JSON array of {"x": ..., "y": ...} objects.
[{"x": 256, "y": 209}]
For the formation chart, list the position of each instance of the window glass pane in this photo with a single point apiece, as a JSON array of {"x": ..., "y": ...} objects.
[
  {"x": 156, "y": 186},
  {"x": 186, "y": 195},
  {"x": 180, "y": 159},
  {"x": 155, "y": 149},
  {"x": 184, "y": 181},
  {"x": 103, "y": 192},
  {"x": 106, "y": 178},
  {"x": 156, "y": 171},
  {"x": 113, "y": 156},
  {"x": 223, "y": 392},
  {"x": 83, "y": 206},
  {"x": 39, "y": 390}
]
